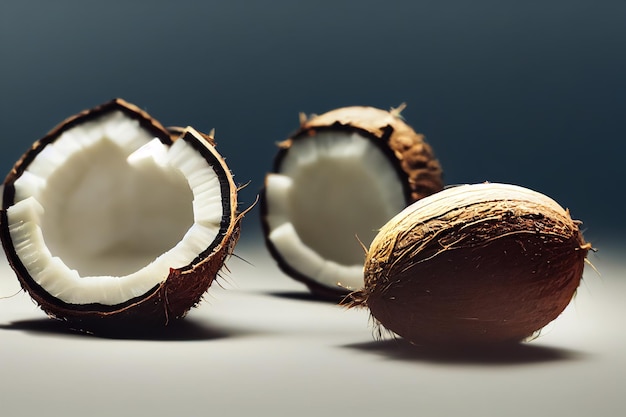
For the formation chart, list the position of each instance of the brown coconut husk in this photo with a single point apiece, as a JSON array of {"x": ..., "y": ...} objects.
[{"x": 492, "y": 270}]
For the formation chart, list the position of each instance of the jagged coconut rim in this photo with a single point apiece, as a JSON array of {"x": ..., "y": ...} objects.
[
  {"x": 188, "y": 153},
  {"x": 391, "y": 139}
]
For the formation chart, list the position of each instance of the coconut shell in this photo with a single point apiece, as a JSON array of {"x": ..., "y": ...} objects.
[
  {"x": 479, "y": 264},
  {"x": 178, "y": 292},
  {"x": 408, "y": 149},
  {"x": 410, "y": 154}
]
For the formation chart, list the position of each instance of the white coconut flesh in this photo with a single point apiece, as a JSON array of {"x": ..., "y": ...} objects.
[
  {"x": 103, "y": 212},
  {"x": 332, "y": 188}
]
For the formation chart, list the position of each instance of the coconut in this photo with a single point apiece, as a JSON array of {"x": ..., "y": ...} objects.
[
  {"x": 473, "y": 264},
  {"x": 111, "y": 217},
  {"x": 335, "y": 181}
]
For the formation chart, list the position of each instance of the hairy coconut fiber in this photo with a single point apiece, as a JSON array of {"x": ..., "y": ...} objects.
[{"x": 474, "y": 264}]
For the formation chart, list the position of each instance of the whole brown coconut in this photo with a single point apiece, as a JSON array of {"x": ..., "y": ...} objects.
[
  {"x": 473, "y": 264},
  {"x": 340, "y": 177},
  {"x": 112, "y": 219}
]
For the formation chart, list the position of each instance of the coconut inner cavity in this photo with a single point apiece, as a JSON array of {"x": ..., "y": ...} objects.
[
  {"x": 103, "y": 212},
  {"x": 109, "y": 215},
  {"x": 331, "y": 188}
]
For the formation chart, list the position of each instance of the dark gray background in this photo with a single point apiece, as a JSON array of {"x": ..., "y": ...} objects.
[{"x": 526, "y": 92}]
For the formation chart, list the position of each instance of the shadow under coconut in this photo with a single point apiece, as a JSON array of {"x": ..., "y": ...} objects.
[
  {"x": 305, "y": 296},
  {"x": 509, "y": 354},
  {"x": 180, "y": 330}
]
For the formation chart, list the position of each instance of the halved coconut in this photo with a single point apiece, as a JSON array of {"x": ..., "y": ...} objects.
[
  {"x": 340, "y": 177},
  {"x": 110, "y": 217}
]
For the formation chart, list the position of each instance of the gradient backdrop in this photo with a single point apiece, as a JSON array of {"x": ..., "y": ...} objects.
[{"x": 526, "y": 92}]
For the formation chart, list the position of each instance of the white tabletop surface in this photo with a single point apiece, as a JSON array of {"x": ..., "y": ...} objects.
[{"x": 259, "y": 345}]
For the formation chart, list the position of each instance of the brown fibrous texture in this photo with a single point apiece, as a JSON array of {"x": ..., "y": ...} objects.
[
  {"x": 178, "y": 292},
  {"x": 493, "y": 271}
]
